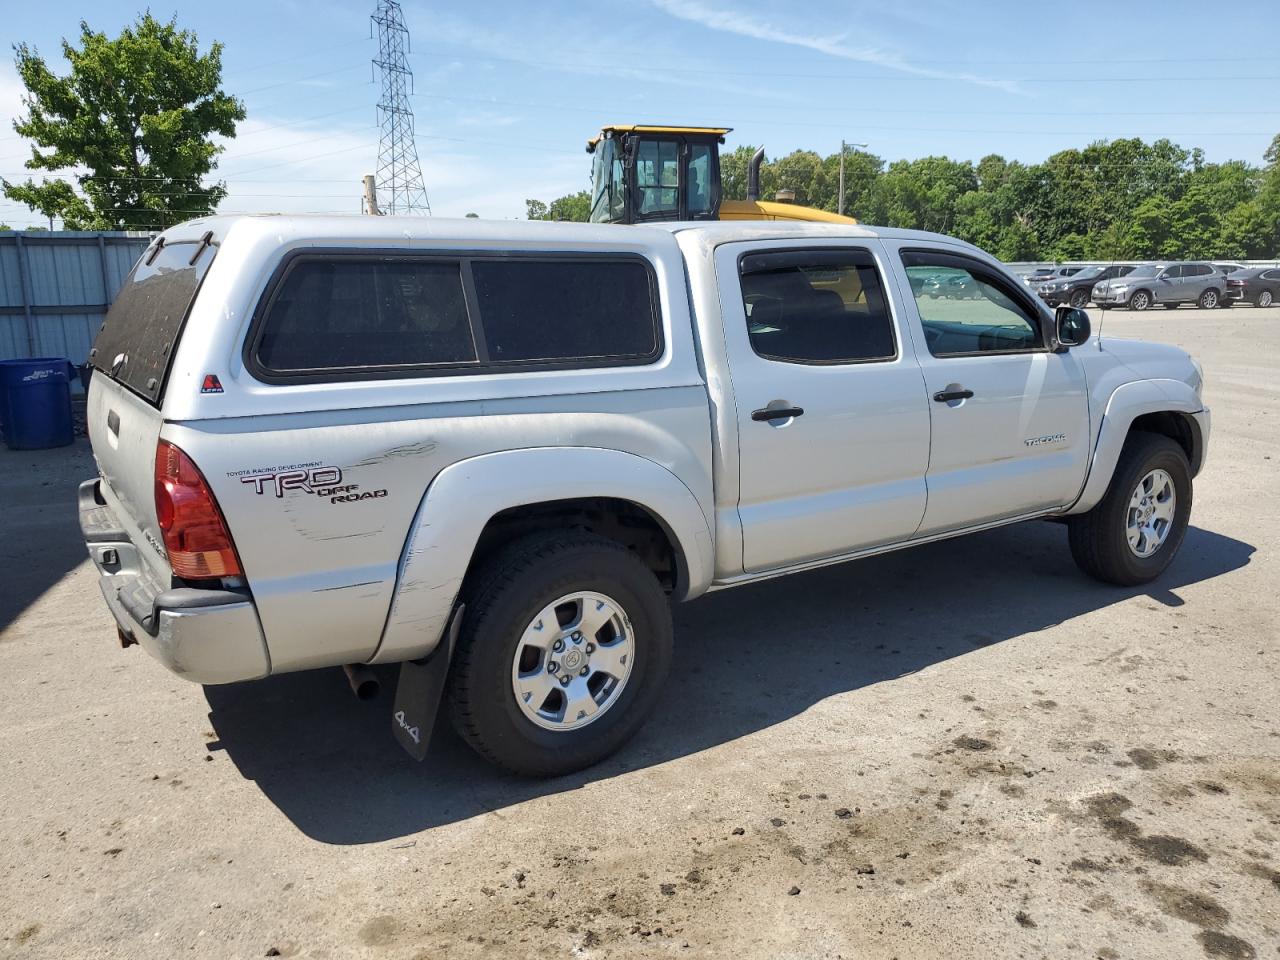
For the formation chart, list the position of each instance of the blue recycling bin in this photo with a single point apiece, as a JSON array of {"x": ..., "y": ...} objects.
[{"x": 35, "y": 403}]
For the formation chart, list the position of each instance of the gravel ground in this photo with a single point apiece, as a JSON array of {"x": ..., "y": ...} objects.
[{"x": 966, "y": 749}]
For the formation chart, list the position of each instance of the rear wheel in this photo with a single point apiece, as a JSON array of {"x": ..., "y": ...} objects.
[
  {"x": 1140, "y": 300},
  {"x": 1265, "y": 298},
  {"x": 1208, "y": 299},
  {"x": 1079, "y": 298},
  {"x": 1133, "y": 533},
  {"x": 564, "y": 649}
]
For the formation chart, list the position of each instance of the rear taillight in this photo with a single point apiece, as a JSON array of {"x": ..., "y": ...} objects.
[{"x": 195, "y": 534}]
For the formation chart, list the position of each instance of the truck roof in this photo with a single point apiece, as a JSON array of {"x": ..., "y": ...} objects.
[{"x": 410, "y": 228}]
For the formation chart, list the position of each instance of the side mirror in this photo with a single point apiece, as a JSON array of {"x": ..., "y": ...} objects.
[{"x": 1073, "y": 326}]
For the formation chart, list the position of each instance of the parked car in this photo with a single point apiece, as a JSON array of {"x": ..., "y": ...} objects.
[
  {"x": 1258, "y": 285},
  {"x": 494, "y": 451},
  {"x": 1166, "y": 284},
  {"x": 1077, "y": 289},
  {"x": 957, "y": 287},
  {"x": 1039, "y": 276}
]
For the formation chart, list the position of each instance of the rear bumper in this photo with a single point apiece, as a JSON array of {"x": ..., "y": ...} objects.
[{"x": 202, "y": 635}]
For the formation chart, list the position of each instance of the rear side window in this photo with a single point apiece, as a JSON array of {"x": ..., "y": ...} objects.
[
  {"x": 357, "y": 314},
  {"x": 816, "y": 306},
  {"x": 140, "y": 333},
  {"x": 340, "y": 316},
  {"x": 535, "y": 310}
]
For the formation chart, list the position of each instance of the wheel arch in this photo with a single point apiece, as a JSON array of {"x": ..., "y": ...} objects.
[
  {"x": 473, "y": 505},
  {"x": 1168, "y": 407}
]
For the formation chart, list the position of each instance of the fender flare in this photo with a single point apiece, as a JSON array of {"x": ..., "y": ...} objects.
[
  {"x": 464, "y": 496},
  {"x": 1126, "y": 403}
]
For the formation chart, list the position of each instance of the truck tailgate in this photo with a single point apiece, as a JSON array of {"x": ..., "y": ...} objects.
[{"x": 124, "y": 429}]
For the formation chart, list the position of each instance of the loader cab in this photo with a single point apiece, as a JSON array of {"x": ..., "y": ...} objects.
[{"x": 641, "y": 174}]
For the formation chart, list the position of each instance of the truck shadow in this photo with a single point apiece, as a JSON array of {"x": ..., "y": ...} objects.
[{"x": 745, "y": 660}]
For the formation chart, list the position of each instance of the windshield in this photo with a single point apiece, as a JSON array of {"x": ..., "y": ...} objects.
[
  {"x": 1147, "y": 271},
  {"x": 606, "y": 184},
  {"x": 1088, "y": 273}
]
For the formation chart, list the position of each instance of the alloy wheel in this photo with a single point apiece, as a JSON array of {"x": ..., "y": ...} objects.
[
  {"x": 573, "y": 661},
  {"x": 1152, "y": 508}
]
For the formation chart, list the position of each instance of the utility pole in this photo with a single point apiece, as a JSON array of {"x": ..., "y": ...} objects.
[
  {"x": 843, "y": 147},
  {"x": 371, "y": 196},
  {"x": 399, "y": 175}
]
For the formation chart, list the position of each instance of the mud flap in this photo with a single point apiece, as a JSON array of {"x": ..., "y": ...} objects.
[{"x": 417, "y": 703}]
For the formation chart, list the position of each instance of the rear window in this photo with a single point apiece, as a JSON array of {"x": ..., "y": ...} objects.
[
  {"x": 140, "y": 333},
  {"x": 334, "y": 315}
]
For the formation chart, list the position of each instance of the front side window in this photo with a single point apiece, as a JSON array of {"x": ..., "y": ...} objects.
[
  {"x": 816, "y": 307},
  {"x": 967, "y": 309},
  {"x": 657, "y": 176}
]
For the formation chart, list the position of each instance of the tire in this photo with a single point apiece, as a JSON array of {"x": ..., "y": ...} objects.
[
  {"x": 1265, "y": 299},
  {"x": 1079, "y": 299},
  {"x": 504, "y": 599},
  {"x": 1100, "y": 538},
  {"x": 1209, "y": 300},
  {"x": 1140, "y": 300}
]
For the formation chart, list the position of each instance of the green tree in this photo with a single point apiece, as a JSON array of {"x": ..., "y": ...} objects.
[
  {"x": 139, "y": 112},
  {"x": 574, "y": 206}
]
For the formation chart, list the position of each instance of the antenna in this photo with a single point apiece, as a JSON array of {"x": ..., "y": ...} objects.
[{"x": 399, "y": 177}]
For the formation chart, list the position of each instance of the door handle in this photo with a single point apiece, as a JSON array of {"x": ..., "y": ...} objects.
[
  {"x": 765, "y": 414},
  {"x": 944, "y": 396}
]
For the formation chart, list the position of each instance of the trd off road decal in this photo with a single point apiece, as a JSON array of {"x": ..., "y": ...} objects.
[{"x": 311, "y": 478}]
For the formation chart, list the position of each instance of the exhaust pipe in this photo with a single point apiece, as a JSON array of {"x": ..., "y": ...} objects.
[
  {"x": 364, "y": 683},
  {"x": 753, "y": 175}
]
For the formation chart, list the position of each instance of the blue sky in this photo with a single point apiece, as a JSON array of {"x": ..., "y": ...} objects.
[{"x": 507, "y": 92}]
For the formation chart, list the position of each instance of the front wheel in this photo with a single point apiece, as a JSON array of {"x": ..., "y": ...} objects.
[
  {"x": 1079, "y": 298},
  {"x": 564, "y": 648},
  {"x": 1134, "y": 531},
  {"x": 1208, "y": 299},
  {"x": 1140, "y": 300}
]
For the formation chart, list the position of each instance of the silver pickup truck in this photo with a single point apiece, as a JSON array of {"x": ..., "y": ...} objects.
[{"x": 493, "y": 452}]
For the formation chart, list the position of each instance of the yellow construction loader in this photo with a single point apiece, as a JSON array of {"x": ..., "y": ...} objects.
[{"x": 645, "y": 173}]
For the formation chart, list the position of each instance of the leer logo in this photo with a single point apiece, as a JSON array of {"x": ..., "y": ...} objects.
[{"x": 211, "y": 384}]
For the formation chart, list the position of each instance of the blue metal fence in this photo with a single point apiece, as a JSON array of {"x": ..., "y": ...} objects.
[{"x": 55, "y": 288}]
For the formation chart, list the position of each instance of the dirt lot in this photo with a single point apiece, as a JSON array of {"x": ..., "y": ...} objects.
[{"x": 966, "y": 750}]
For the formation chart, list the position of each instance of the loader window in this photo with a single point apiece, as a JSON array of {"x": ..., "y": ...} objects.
[
  {"x": 608, "y": 200},
  {"x": 699, "y": 181},
  {"x": 657, "y": 177}
]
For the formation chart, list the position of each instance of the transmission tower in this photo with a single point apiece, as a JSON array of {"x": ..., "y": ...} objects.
[{"x": 400, "y": 186}]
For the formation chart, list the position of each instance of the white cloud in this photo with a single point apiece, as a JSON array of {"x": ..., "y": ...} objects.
[{"x": 746, "y": 25}]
